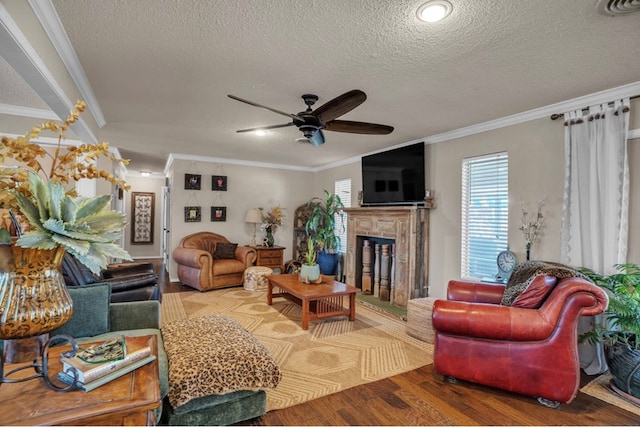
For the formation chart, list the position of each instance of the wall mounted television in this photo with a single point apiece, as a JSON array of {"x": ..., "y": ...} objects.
[{"x": 394, "y": 177}]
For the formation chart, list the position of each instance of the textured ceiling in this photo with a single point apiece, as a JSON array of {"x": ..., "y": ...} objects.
[{"x": 161, "y": 69}]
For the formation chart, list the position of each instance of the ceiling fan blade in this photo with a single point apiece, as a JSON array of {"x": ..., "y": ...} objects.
[
  {"x": 317, "y": 138},
  {"x": 358, "y": 127},
  {"x": 294, "y": 116},
  {"x": 266, "y": 127},
  {"x": 340, "y": 105}
]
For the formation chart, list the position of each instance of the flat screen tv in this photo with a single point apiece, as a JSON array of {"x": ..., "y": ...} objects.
[{"x": 394, "y": 177}]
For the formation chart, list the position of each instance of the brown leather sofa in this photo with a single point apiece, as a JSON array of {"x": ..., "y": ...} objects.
[
  {"x": 204, "y": 266},
  {"x": 531, "y": 351}
]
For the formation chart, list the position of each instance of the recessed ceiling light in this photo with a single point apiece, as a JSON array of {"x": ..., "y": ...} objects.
[
  {"x": 261, "y": 132},
  {"x": 145, "y": 174},
  {"x": 434, "y": 11}
]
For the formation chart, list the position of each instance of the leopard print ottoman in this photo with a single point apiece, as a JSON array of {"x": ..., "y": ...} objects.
[{"x": 213, "y": 355}]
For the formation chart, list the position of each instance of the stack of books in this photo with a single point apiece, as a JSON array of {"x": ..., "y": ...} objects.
[{"x": 98, "y": 363}]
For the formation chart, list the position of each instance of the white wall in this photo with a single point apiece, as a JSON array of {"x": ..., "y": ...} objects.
[
  {"x": 536, "y": 151},
  {"x": 247, "y": 187}
]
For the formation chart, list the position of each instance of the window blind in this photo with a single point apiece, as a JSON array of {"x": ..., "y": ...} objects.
[
  {"x": 485, "y": 215},
  {"x": 342, "y": 188}
]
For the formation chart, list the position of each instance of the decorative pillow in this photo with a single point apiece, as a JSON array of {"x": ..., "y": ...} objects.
[
  {"x": 530, "y": 293},
  {"x": 90, "y": 311},
  {"x": 225, "y": 251},
  {"x": 214, "y": 354}
]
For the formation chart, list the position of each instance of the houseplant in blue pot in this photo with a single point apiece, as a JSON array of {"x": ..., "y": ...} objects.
[{"x": 321, "y": 227}]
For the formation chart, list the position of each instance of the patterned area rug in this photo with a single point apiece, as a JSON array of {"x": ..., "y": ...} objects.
[
  {"x": 333, "y": 355},
  {"x": 599, "y": 388}
]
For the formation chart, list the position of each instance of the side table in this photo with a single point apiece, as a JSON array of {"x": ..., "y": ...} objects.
[
  {"x": 270, "y": 256},
  {"x": 128, "y": 400}
]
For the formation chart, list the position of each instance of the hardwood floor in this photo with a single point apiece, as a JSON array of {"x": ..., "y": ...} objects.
[{"x": 422, "y": 397}]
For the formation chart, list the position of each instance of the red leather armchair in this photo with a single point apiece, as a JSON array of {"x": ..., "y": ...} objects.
[{"x": 531, "y": 351}]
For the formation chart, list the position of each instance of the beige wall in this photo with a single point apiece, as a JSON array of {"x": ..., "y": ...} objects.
[
  {"x": 536, "y": 151},
  {"x": 247, "y": 187},
  {"x": 145, "y": 185}
]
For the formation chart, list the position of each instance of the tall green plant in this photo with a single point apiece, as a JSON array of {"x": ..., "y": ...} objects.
[
  {"x": 622, "y": 321},
  {"x": 322, "y": 221}
]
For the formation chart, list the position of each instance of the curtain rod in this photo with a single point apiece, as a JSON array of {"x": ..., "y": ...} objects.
[{"x": 556, "y": 116}]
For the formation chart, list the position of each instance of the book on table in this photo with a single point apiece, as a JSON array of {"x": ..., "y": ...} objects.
[
  {"x": 67, "y": 376},
  {"x": 96, "y": 360}
]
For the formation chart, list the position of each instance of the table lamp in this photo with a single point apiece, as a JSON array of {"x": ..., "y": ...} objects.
[{"x": 254, "y": 216}]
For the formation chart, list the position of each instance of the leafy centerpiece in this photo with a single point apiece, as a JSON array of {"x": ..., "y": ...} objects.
[
  {"x": 49, "y": 219},
  {"x": 52, "y": 214},
  {"x": 310, "y": 270}
]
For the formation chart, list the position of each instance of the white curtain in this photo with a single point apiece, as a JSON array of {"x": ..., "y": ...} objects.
[{"x": 596, "y": 199}]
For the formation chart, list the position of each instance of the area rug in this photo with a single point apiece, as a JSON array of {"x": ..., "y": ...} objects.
[
  {"x": 599, "y": 388},
  {"x": 331, "y": 356}
]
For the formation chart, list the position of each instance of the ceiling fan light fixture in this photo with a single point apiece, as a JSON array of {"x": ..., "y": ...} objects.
[
  {"x": 260, "y": 132},
  {"x": 434, "y": 11}
]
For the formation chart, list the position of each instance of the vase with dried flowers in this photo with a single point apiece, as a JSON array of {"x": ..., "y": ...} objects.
[
  {"x": 531, "y": 225},
  {"x": 271, "y": 220},
  {"x": 47, "y": 220}
]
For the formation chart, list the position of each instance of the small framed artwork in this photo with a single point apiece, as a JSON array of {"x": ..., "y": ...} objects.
[
  {"x": 191, "y": 181},
  {"x": 192, "y": 214},
  {"x": 219, "y": 183},
  {"x": 142, "y": 215},
  {"x": 218, "y": 213}
]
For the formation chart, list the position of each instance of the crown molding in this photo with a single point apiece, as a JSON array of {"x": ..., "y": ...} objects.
[
  {"x": 16, "y": 49},
  {"x": 50, "y": 21},
  {"x": 177, "y": 156},
  {"x": 630, "y": 90},
  {"x": 38, "y": 113}
]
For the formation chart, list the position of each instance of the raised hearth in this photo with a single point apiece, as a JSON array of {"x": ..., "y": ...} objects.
[{"x": 408, "y": 226}]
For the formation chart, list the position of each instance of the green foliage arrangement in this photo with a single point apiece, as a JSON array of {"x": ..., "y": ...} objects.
[
  {"x": 622, "y": 322},
  {"x": 322, "y": 221},
  {"x": 82, "y": 225},
  {"x": 310, "y": 256},
  {"x": 55, "y": 215}
]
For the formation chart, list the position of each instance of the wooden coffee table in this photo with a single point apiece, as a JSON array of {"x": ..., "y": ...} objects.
[{"x": 318, "y": 301}]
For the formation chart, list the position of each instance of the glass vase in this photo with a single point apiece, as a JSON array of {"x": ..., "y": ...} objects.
[
  {"x": 268, "y": 239},
  {"x": 33, "y": 296}
]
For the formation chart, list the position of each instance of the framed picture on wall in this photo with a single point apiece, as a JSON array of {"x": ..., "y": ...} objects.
[
  {"x": 219, "y": 183},
  {"x": 191, "y": 181},
  {"x": 192, "y": 214},
  {"x": 218, "y": 213},
  {"x": 142, "y": 217}
]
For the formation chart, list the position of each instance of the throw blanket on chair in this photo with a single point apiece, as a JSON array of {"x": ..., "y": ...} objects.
[{"x": 525, "y": 273}]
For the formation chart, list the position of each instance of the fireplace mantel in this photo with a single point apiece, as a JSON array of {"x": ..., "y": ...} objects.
[{"x": 409, "y": 227}]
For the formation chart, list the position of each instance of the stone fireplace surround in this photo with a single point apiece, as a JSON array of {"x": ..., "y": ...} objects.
[{"x": 409, "y": 227}]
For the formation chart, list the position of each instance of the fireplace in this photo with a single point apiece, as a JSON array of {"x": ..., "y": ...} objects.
[{"x": 406, "y": 230}]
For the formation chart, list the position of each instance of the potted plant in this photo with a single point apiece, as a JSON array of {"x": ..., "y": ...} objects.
[
  {"x": 309, "y": 270},
  {"x": 321, "y": 226},
  {"x": 620, "y": 330},
  {"x": 48, "y": 219}
]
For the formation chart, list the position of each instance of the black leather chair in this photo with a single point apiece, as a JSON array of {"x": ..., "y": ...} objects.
[{"x": 129, "y": 282}]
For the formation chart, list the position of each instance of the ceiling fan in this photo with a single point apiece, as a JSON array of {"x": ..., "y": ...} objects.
[{"x": 312, "y": 122}]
